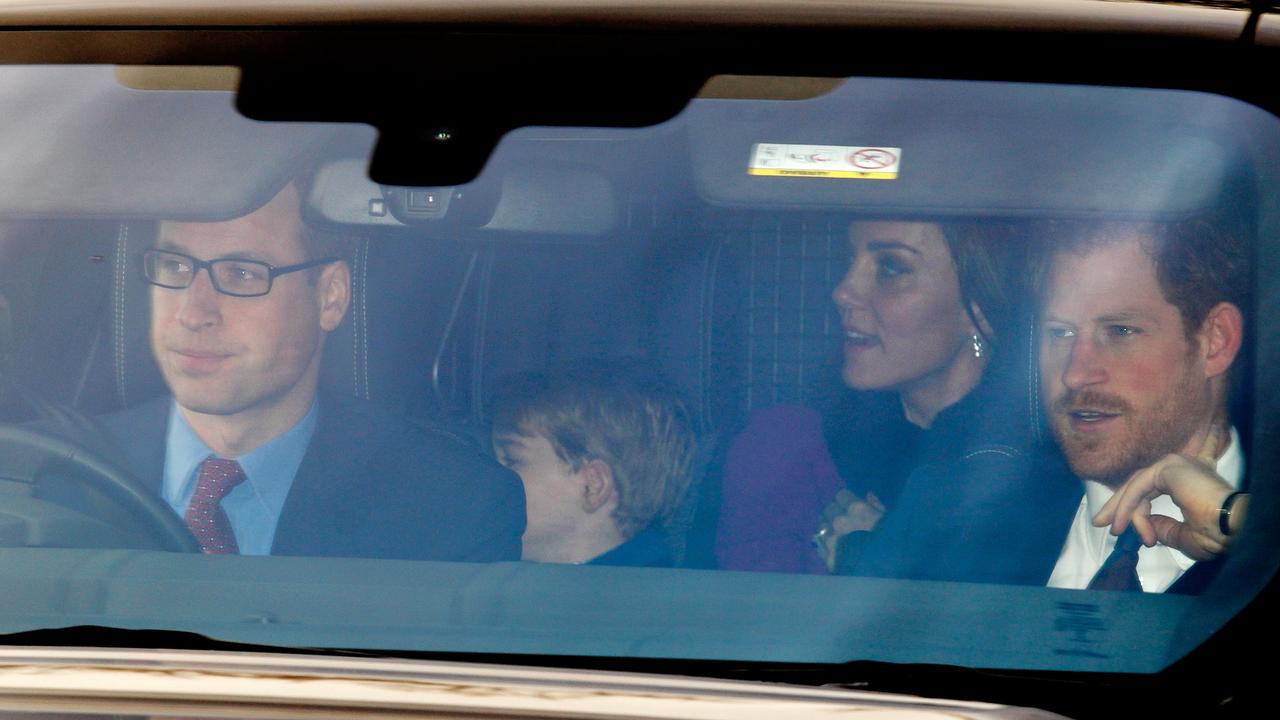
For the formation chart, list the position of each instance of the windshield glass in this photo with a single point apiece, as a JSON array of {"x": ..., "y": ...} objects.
[{"x": 816, "y": 370}]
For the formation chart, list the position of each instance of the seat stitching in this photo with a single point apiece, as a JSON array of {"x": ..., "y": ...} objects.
[
  {"x": 355, "y": 332},
  {"x": 122, "y": 255},
  {"x": 1005, "y": 450},
  {"x": 364, "y": 314}
]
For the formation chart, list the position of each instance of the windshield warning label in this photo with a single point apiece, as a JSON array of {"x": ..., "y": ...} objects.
[{"x": 825, "y": 161}]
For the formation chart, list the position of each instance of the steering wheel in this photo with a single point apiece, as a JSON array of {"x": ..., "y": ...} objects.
[{"x": 31, "y": 450}]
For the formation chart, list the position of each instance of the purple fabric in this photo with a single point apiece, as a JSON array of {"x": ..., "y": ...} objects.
[{"x": 778, "y": 477}]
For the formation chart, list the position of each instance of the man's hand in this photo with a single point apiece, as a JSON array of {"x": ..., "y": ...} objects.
[
  {"x": 846, "y": 514},
  {"x": 1195, "y": 487}
]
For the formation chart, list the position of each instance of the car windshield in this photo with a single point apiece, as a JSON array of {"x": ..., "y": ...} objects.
[{"x": 797, "y": 370}]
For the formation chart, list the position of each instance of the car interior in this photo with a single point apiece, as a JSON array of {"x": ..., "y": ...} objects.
[{"x": 573, "y": 242}]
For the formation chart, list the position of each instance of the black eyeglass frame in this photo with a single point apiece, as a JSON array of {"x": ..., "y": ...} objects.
[{"x": 197, "y": 265}]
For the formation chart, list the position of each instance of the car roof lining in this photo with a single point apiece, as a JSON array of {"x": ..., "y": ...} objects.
[{"x": 968, "y": 148}]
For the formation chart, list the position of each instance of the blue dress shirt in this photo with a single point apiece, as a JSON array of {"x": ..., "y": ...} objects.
[{"x": 253, "y": 506}]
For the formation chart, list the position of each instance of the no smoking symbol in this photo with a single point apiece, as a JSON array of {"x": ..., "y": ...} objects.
[{"x": 872, "y": 159}]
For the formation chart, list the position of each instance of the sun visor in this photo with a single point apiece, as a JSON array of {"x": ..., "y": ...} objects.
[
  {"x": 963, "y": 148},
  {"x": 108, "y": 142}
]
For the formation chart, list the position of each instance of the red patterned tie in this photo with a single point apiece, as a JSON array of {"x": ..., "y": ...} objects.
[{"x": 205, "y": 516}]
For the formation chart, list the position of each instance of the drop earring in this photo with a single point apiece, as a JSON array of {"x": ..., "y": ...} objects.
[{"x": 977, "y": 346}]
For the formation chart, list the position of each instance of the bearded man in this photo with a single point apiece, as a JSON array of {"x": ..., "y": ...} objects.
[{"x": 1140, "y": 325}]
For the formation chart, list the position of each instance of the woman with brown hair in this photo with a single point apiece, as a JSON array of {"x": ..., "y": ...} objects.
[{"x": 934, "y": 317}]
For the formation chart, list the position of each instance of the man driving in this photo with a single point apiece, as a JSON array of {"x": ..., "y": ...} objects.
[{"x": 248, "y": 453}]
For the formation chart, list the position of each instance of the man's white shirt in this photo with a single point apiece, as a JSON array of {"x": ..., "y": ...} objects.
[{"x": 1087, "y": 547}]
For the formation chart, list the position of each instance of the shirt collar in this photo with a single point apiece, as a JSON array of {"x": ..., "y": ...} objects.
[
  {"x": 184, "y": 451},
  {"x": 1230, "y": 467}
]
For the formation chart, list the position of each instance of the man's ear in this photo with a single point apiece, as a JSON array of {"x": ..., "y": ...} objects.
[
  {"x": 598, "y": 487},
  {"x": 333, "y": 292},
  {"x": 1220, "y": 336}
]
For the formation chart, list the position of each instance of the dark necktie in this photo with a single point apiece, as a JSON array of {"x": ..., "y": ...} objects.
[
  {"x": 205, "y": 516},
  {"x": 1120, "y": 571}
]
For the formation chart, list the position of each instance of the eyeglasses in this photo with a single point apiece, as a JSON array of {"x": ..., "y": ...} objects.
[{"x": 230, "y": 276}]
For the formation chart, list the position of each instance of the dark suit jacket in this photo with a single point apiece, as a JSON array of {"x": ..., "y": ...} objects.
[
  {"x": 647, "y": 548},
  {"x": 998, "y": 516},
  {"x": 370, "y": 485},
  {"x": 995, "y": 514},
  {"x": 989, "y": 504}
]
